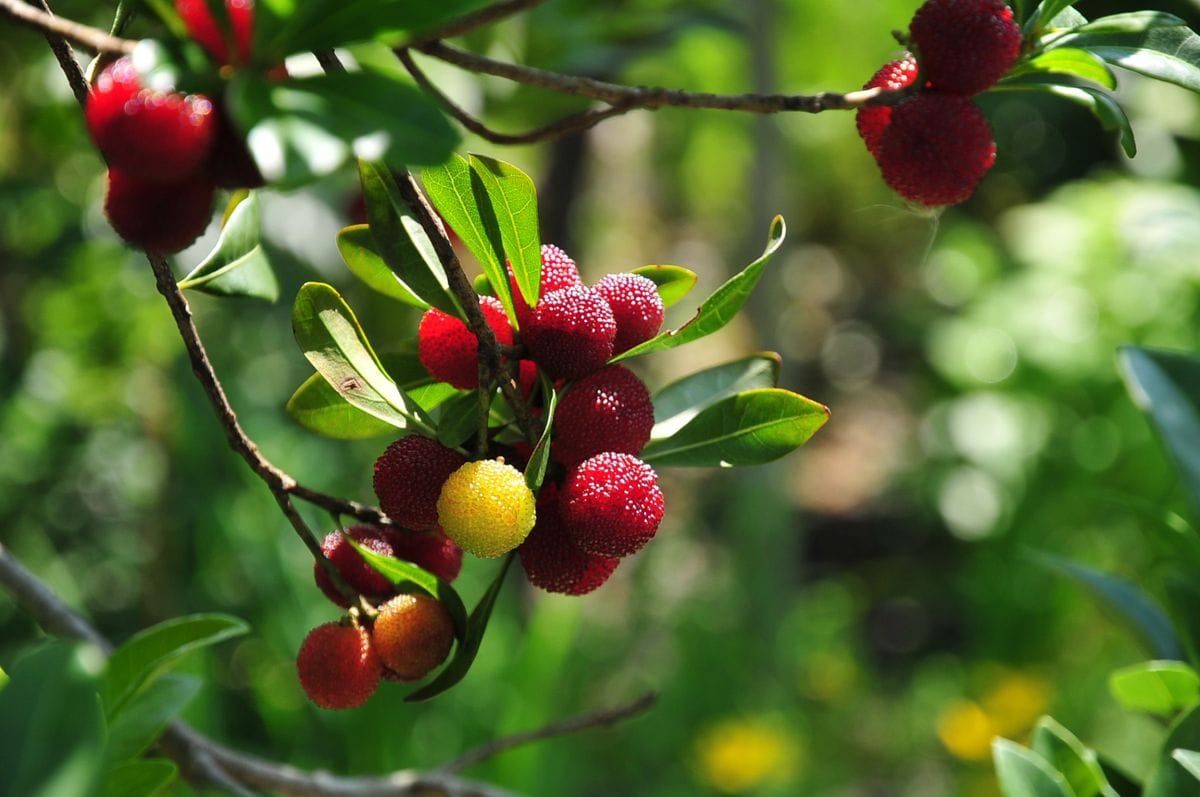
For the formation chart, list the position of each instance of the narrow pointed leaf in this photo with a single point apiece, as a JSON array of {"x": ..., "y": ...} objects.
[
  {"x": 1156, "y": 687},
  {"x": 358, "y": 248},
  {"x": 1024, "y": 773},
  {"x": 1047, "y": 11},
  {"x": 512, "y": 201},
  {"x": 319, "y": 408},
  {"x": 1169, "y": 54},
  {"x": 403, "y": 574},
  {"x": 325, "y": 24},
  {"x": 673, "y": 282},
  {"x": 1068, "y": 61},
  {"x": 1189, "y": 760},
  {"x": 1065, "y": 753},
  {"x": 682, "y": 400},
  {"x": 237, "y": 266},
  {"x": 139, "y": 724},
  {"x": 535, "y": 469},
  {"x": 1130, "y": 22}
]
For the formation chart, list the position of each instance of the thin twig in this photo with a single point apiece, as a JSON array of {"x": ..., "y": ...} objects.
[
  {"x": 84, "y": 35},
  {"x": 596, "y": 719},
  {"x": 476, "y": 19}
]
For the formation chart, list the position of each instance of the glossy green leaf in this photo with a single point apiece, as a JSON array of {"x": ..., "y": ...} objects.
[
  {"x": 458, "y": 419},
  {"x": 1105, "y": 108},
  {"x": 464, "y": 657},
  {"x": 431, "y": 395},
  {"x": 673, "y": 282},
  {"x": 748, "y": 428},
  {"x": 1168, "y": 777},
  {"x": 359, "y": 250},
  {"x": 139, "y": 778},
  {"x": 151, "y": 652},
  {"x": 1068, "y": 61},
  {"x": 1046, "y": 12},
  {"x": 483, "y": 285},
  {"x": 405, "y": 574},
  {"x": 332, "y": 340},
  {"x": 139, "y": 724},
  {"x": 325, "y": 24},
  {"x": 319, "y": 408},
  {"x": 1156, "y": 687},
  {"x": 539, "y": 459},
  {"x": 718, "y": 309},
  {"x": 3, "y": 678},
  {"x": 1189, "y": 760},
  {"x": 1169, "y": 54},
  {"x": 682, "y": 400},
  {"x": 1075, "y": 762},
  {"x": 512, "y": 203},
  {"x": 1130, "y": 22},
  {"x": 237, "y": 266},
  {"x": 1024, "y": 773}
]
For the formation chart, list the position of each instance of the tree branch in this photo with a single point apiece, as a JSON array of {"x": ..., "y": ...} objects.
[
  {"x": 476, "y": 19},
  {"x": 83, "y": 35}
]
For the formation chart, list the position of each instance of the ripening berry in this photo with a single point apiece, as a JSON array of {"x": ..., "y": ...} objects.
[
  {"x": 873, "y": 120},
  {"x": 409, "y": 476},
  {"x": 965, "y": 46},
  {"x": 636, "y": 307},
  {"x": 412, "y": 635},
  {"x": 607, "y": 411},
  {"x": 936, "y": 149},
  {"x": 486, "y": 508},
  {"x": 558, "y": 271},
  {"x": 431, "y": 550},
  {"x": 160, "y": 217},
  {"x": 552, "y": 561},
  {"x": 570, "y": 333},
  {"x": 338, "y": 667},
  {"x": 357, "y": 574},
  {"x": 611, "y": 504},
  {"x": 448, "y": 349},
  {"x": 203, "y": 28}
]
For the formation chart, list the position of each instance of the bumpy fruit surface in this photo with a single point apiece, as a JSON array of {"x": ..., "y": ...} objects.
[
  {"x": 571, "y": 332},
  {"x": 558, "y": 272},
  {"x": 359, "y": 575},
  {"x": 872, "y": 121},
  {"x": 162, "y": 217},
  {"x": 203, "y": 28},
  {"x": 552, "y": 561},
  {"x": 431, "y": 550},
  {"x": 412, "y": 635},
  {"x": 337, "y": 666},
  {"x": 611, "y": 504},
  {"x": 408, "y": 479},
  {"x": 447, "y": 348},
  {"x": 636, "y": 307},
  {"x": 936, "y": 149},
  {"x": 486, "y": 508},
  {"x": 965, "y": 46},
  {"x": 607, "y": 411}
]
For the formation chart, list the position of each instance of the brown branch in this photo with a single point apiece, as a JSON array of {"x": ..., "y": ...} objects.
[
  {"x": 597, "y": 719},
  {"x": 64, "y": 29},
  {"x": 476, "y": 19}
]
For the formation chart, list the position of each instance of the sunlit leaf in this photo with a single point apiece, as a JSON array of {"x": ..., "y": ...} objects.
[
  {"x": 359, "y": 250},
  {"x": 319, "y": 408},
  {"x": 673, "y": 282},
  {"x": 1024, "y": 773},
  {"x": 237, "y": 266},
  {"x": 512, "y": 203},
  {"x": 1075, "y": 762},
  {"x": 682, "y": 400},
  {"x": 1156, "y": 687}
]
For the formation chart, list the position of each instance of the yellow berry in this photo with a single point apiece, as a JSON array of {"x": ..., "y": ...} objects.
[{"x": 486, "y": 508}]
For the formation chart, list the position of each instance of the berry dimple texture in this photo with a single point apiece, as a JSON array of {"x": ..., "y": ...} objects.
[
  {"x": 162, "y": 217},
  {"x": 337, "y": 666},
  {"x": 936, "y": 149},
  {"x": 447, "y": 348},
  {"x": 872, "y": 121},
  {"x": 552, "y": 561},
  {"x": 571, "y": 332},
  {"x": 611, "y": 504},
  {"x": 433, "y": 551},
  {"x": 965, "y": 45},
  {"x": 607, "y": 411},
  {"x": 486, "y": 508},
  {"x": 412, "y": 635},
  {"x": 636, "y": 306},
  {"x": 359, "y": 575},
  {"x": 409, "y": 476},
  {"x": 558, "y": 271}
]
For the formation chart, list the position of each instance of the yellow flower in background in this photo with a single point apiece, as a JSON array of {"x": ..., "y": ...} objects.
[
  {"x": 1009, "y": 708},
  {"x": 966, "y": 731},
  {"x": 735, "y": 755}
]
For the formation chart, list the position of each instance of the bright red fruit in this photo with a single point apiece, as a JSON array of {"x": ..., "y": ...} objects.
[
  {"x": 873, "y": 120},
  {"x": 448, "y": 349},
  {"x": 611, "y": 504},
  {"x": 203, "y": 28},
  {"x": 161, "y": 217},
  {"x": 607, "y": 411},
  {"x": 431, "y": 550},
  {"x": 359, "y": 575},
  {"x": 965, "y": 46},
  {"x": 571, "y": 332},
  {"x": 338, "y": 667},
  {"x": 636, "y": 306},
  {"x": 408, "y": 479},
  {"x": 552, "y": 561},
  {"x": 558, "y": 272}
]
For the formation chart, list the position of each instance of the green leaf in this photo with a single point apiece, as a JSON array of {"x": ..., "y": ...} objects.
[
  {"x": 357, "y": 247},
  {"x": 237, "y": 266},
  {"x": 1065, "y": 753},
  {"x": 1068, "y": 61},
  {"x": 431, "y": 394},
  {"x": 401, "y": 240},
  {"x": 1183, "y": 603},
  {"x": 748, "y": 428},
  {"x": 325, "y": 24},
  {"x": 139, "y": 724},
  {"x": 482, "y": 285},
  {"x": 1139, "y": 611},
  {"x": 1105, "y": 108},
  {"x": 1189, "y": 760},
  {"x": 682, "y": 400},
  {"x": 1046, "y": 12},
  {"x": 150, "y": 653},
  {"x": 1130, "y": 22},
  {"x": 1169, "y": 778},
  {"x": 319, "y": 408},
  {"x": 464, "y": 657},
  {"x": 301, "y": 129},
  {"x": 1156, "y": 687},
  {"x": 539, "y": 459},
  {"x": 1024, "y": 773},
  {"x": 51, "y": 724},
  {"x": 512, "y": 201},
  {"x": 673, "y": 282},
  {"x": 1121, "y": 782},
  {"x": 405, "y": 574},
  {"x": 139, "y": 778},
  {"x": 458, "y": 419},
  {"x": 332, "y": 340},
  {"x": 718, "y": 309},
  {"x": 1169, "y": 54},
  {"x": 3, "y": 678}
]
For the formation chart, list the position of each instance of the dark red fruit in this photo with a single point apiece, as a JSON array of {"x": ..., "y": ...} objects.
[
  {"x": 412, "y": 635},
  {"x": 636, "y": 306},
  {"x": 965, "y": 46},
  {"x": 872, "y": 121},
  {"x": 558, "y": 272},
  {"x": 230, "y": 164},
  {"x": 359, "y": 575},
  {"x": 338, "y": 667},
  {"x": 160, "y": 217},
  {"x": 607, "y": 411},
  {"x": 203, "y": 28},
  {"x": 611, "y": 504},
  {"x": 448, "y": 349},
  {"x": 552, "y": 561},
  {"x": 936, "y": 149},
  {"x": 408, "y": 479},
  {"x": 431, "y": 550},
  {"x": 570, "y": 333}
]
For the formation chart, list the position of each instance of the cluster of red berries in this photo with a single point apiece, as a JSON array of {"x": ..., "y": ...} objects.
[
  {"x": 168, "y": 152},
  {"x": 935, "y": 146}
]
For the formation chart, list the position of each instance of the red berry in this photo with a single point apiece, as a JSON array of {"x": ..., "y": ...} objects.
[
  {"x": 448, "y": 349},
  {"x": 359, "y": 575},
  {"x": 337, "y": 666},
  {"x": 873, "y": 120},
  {"x": 161, "y": 217},
  {"x": 527, "y": 377},
  {"x": 611, "y": 504},
  {"x": 433, "y": 551},
  {"x": 203, "y": 27},
  {"x": 936, "y": 149},
  {"x": 965, "y": 46},
  {"x": 409, "y": 476},
  {"x": 230, "y": 164},
  {"x": 636, "y": 306},
  {"x": 412, "y": 635},
  {"x": 571, "y": 332},
  {"x": 607, "y": 411},
  {"x": 552, "y": 561},
  {"x": 558, "y": 271}
]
